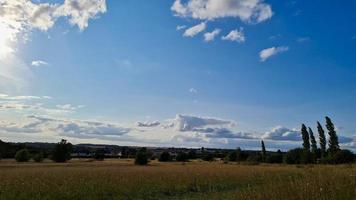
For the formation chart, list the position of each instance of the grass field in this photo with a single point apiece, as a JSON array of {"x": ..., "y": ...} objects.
[{"x": 114, "y": 179}]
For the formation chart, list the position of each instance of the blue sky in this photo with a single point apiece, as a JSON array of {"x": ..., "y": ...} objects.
[{"x": 176, "y": 73}]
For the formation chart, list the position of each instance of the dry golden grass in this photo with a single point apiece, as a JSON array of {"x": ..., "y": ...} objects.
[{"x": 114, "y": 179}]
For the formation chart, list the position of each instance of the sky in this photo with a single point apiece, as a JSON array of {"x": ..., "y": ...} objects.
[{"x": 183, "y": 73}]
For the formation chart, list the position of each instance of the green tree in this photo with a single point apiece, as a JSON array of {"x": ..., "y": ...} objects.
[
  {"x": 182, "y": 157},
  {"x": 165, "y": 157},
  {"x": 333, "y": 139},
  {"x": 305, "y": 137},
  {"x": 62, "y": 151},
  {"x": 38, "y": 157},
  {"x": 141, "y": 157},
  {"x": 263, "y": 152},
  {"x": 99, "y": 154},
  {"x": 322, "y": 140},
  {"x": 314, "y": 147},
  {"x": 22, "y": 155}
]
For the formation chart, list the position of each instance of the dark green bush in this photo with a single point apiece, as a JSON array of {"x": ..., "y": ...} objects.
[
  {"x": 182, "y": 157},
  {"x": 165, "y": 157},
  {"x": 343, "y": 156},
  {"x": 38, "y": 157},
  {"x": 99, "y": 154},
  {"x": 232, "y": 156},
  {"x": 141, "y": 157},
  {"x": 294, "y": 156},
  {"x": 192, "y": 154},
  {"x": 62, "y": 151},
  {"x": 275, "y": 158},
  {"x": 208, "y": 157},
  {"x": 254, "y": 158},
  {"x": 22, "y": 155}
]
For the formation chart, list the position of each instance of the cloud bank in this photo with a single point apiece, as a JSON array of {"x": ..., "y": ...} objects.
[{"x": 252, "y": 11}]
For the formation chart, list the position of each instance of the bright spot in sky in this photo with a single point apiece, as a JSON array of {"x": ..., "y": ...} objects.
[{"x": 7, "y": 35}]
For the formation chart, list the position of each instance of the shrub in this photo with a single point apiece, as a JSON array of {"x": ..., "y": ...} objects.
[
  {"x": 38, "y": 157},
  {"x": 232, "y": 157},
  {"x": 141, "y": 157},
  {"x": 99, "y": 154},
  {"x": 165, "y": 157},
  {"x": 22, "y": 155},
  {"x": 343, "y": 156},
  {"x": 62, "y": 151},
  {"x": 293, "y": 156},
  {"x": 182, "y": 157},
  {"x": 275, "y": 158},
  {"x": 254, "y": 158},
  {"x": 208, "y": 157},
  {"x": 192, "y": 154},
  {"x": 307, "y": 157}
]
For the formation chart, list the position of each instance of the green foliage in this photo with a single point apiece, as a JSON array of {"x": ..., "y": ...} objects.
[
  {"x": 343, "y": 156},
  {"x": 294, "y": 156},
  {"x": 141, "y": 157},
  {"x": 263, "y": 152},
  {"x": 165, "y": 157},
  {"x": 99, "y": 154},
  {"x": 232, "y": 156},
  {"x": 22, "y": 155},
  {"x": 192, "y": 154},
  {"x": 322, "y": 140},
  {"x": 182, "y": 157},
  {"x": 62, "y": 151},
  {"x": 314, "y": 147},
  {"x": 305, "y": 137},
  {"x": 275, "y": 157},
  {"x": 254, "y": 158},
  {"x": 333, "y": 139},
  {"x": 38, "y": 157},
  {"x": 307, "y": 157},
  {"x": 208, "y": 157}
]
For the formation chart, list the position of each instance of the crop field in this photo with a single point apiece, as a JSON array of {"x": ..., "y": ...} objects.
[{"x": 121, "y": 179}]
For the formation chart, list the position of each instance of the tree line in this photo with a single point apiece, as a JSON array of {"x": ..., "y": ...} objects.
[{"x": 328, "y": 152}]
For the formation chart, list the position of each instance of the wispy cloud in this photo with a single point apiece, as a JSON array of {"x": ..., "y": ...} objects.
[
  {"x": 192, "y": 31},
  {"x": 235, "y": 35},
  {"x": 38, "y": 63},
  {"x": 269, "y": 52},
  {"x": 210, "y": 36},
  {"x": 303, "y": 39}
]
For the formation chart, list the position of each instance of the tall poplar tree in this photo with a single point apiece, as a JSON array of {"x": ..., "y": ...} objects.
[
  {"x": 333, "y": 139},
  {"x": 313, "y": 141},
  {"x": 263, "y": 151},
  {"x": 322, "y": 140},
  {"x": 305, "y": 137}
]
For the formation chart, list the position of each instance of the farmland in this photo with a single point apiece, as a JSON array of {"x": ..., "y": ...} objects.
[{"x": 121, "y": 179}]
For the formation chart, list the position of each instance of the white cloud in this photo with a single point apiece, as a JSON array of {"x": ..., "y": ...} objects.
[
  {"x": 38, "y": 63},
  {"x": 210, "y": 36},
  {"x": 282, "y": 133},
  {"x": 20, "y": 17},
  {"x": 80, "y": 12},
  {"x": 180, "y": 27},
  {"x": 192, "y": 31},
  {"x": 254, "y": 11},
  {"x": 194, "y": 123},
  {"x": 148, "y": 124},
  {"x": 267, "y": 53},
  {"x": 69, "y": 107},
  {"x": 235, "y": 35}
]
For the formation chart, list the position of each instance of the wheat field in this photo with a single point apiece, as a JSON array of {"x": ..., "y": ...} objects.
[{"x": 121, "y": 179}]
